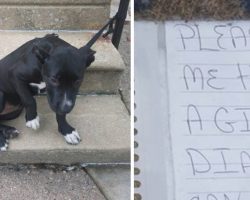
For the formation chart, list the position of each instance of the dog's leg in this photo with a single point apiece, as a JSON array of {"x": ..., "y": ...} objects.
[
  {"x": 29, "y": 102},
  {"x": 70, "y": 134},
  {"x": 6, "y": 132},
  {"x": 2, "y": 101},
  {"x": 3, "y": 143}
]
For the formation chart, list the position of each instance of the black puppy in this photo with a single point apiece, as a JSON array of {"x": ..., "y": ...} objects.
[{"x": 43, "y": 62}]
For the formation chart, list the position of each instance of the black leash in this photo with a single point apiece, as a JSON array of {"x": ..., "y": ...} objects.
[{"x": 110, "y": 25}]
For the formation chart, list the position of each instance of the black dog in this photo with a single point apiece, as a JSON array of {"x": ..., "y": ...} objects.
[{"x": 43, "y": 62}]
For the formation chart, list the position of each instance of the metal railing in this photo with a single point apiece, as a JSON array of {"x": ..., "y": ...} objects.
[{"x": 119, "y": 20}]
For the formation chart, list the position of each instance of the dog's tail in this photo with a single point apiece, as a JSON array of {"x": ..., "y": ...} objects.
[
  {"x": 99, "y": 33},
  {"x": 13, "y": 114}
]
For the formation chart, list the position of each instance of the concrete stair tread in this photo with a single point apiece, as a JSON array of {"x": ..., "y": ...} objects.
[
  {"x": 102, "y": 122},
  {"x": 113, "y": 182},
  {"x": 107, "y": 57}
]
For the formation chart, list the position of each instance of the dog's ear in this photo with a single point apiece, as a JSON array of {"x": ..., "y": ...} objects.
[
  {"x": 41, "y": 51},
  {"x": 88, "y": 55}
]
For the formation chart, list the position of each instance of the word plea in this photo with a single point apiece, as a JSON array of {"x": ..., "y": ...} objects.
[{"x": 222, "y": 37}]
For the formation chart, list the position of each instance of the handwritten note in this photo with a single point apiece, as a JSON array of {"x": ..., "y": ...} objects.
[{"x": 209, "y": 92}]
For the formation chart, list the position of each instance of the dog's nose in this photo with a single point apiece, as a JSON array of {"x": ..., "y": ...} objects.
[
  {"x": 66, "y": 108},
  {"x": 66, "y": 104}
]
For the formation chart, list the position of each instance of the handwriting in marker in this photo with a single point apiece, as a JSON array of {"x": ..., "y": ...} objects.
[
  {"x": 200, "y": 78},
  {"x": 222, "y": 37},
  {"x": 202, "y": 162},
  {"x": 224, "y": 120},
  {"x": 208, "y": 79},
  {"x": 221, "y": 196}
]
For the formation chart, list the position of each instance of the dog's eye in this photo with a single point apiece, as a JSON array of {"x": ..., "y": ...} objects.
[
  {"x": 54, "y": 81},
  {"x": 77, "y": 83}
]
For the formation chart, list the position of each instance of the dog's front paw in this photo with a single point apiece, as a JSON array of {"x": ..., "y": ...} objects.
[
  {"x": 34, "y": 123},
  {"x": 10, "y": 133},
  {"x": 3, "y": 143},
  {"x": 72, "y": 138},
  {"x": 5, "y": 134}
]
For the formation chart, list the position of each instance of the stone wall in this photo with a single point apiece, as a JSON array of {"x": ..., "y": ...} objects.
[{"x": 53, "y": 14}]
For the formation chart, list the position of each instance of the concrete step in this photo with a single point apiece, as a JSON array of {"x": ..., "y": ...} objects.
[
  {"x": 102, "y": 122},
  {"x": 34, "y": 183},
  {"x": 53, "y": 14},
  {"x": 104, "y": 74},
  {"x": 113, "y": 182}
]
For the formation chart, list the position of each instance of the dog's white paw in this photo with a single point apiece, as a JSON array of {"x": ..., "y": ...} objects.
[
  {"x": 4, "y": 148},
  {"x": 72, "y": 138},
  {"x": 34, "y": 123}
]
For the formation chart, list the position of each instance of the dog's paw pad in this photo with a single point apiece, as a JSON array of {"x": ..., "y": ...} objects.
[
  {"x": 34, "y": 123},
  {"x": 72, "y": 138}
]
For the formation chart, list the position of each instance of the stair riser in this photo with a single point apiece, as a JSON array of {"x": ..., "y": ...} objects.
[
  {"x": 101, "y": 82},
  {"x": 54, "y": 2},
  {"x": 64, "y": 157},
  {"x": 53, "y": 17}
]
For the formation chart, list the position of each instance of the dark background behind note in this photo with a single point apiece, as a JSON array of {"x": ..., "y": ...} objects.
[{"x": 192, "y": 9}]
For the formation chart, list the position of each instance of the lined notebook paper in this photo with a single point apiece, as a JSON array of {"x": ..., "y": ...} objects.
[{"x": 202, "y": 74}]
